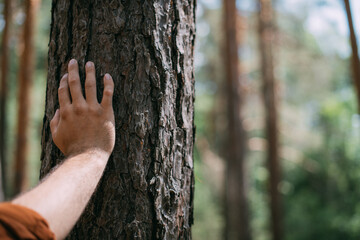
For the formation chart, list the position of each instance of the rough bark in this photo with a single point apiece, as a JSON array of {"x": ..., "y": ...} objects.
[
  {"x": 5, "y": 57},
  {"x": 24, "y": 87},
  {"x": 266, "y": 34},
  {"x": 147, "y": 46},
  {"x": 355, "y": 54},
  {"x": 236, "y": 206}
]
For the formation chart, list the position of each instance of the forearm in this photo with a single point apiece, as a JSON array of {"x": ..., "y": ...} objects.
[
  {"x": 80, "y": 125},
  {"x": 63, "y": 196}
]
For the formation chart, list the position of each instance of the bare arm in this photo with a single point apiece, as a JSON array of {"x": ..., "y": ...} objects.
[{"x": 84, "y": 131}]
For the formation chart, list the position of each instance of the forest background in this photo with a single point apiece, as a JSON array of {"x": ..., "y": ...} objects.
[{"x": 319, "y": 128}]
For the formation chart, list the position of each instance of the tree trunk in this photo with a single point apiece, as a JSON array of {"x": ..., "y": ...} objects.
[
  {"x": 236, "y": 207},
  {"x": 147, "y": 46},
  {"x": 25, "y": 84},
  {"x": 266, "y": 35},
  {"x": 5, "y": 57},
  {"x": 355, "y": 54}
]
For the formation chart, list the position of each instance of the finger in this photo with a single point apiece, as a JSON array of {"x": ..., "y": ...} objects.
[
  {"x": 90, "y": 83},
  {"x": 108, "y": 91},
  {"x": 55, "y": 121},
  {"x": 74, "y": 82},
  {"x": 63, "y": 92}
]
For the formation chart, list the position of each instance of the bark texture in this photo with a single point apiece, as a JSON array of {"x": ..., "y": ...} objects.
[
  {"x": 355, "y": 54},
  {"x": 236, "y": 206},
  {"x": 147, "y": 46},
  {"x": 266, "y": 35},
  {"x": 5, "y": 57},
  {"x": 24, "y": 87}
]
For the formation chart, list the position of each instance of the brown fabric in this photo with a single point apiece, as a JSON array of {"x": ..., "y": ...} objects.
[{"x": 18, "y": 222}]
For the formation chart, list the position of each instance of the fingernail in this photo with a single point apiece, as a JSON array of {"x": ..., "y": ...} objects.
[
  {"x": 89, "y": 64},
  {"x": 107, "y": 76},
  {"x": 65, "y": 75},
  {"x": 72, "y": 61}
]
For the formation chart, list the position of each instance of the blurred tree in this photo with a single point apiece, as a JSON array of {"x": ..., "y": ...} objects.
[
  {"x": 24, "y": 89},
  {"x": 147, "y": 46},
  {"x": 355, "y": 54},
  {"x": 236, "y": 206},
  {"x": 266, "y": 34},
  {"x": 4, "y": 94}
]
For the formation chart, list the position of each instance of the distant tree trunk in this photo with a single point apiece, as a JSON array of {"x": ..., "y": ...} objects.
[
  {"x": 147, "y": 46},
  {"x": 236, "y": 207},
  {"x": 24, "y": 88},
  {"x": 266, "y": 35},
  {"x": 355, "y": 54},
  {"x": 5, "y": 57}
]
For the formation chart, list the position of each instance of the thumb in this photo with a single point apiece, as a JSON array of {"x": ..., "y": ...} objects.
[{"x": 55, "y": 121}]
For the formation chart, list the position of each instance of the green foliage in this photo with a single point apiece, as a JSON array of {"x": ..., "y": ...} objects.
[
  {"x": 208, "y": 222},
  {"x": 320, "y": 132},
  {"x": 328, "y": 193}
]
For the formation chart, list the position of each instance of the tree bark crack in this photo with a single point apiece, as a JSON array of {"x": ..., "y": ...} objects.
[
  {"x": 70, "y": 30},
  {"x": 90, "y": 30}
]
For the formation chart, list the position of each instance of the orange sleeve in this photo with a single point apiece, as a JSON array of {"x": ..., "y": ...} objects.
[{"x": 18, "y": 222}]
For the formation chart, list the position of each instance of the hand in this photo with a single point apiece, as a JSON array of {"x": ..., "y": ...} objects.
[{"x": 82, "y": 124}]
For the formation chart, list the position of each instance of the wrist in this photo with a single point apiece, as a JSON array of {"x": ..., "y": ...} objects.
[
  {"x": 91, "y": 151},
  {"x": 98, "y": 152},
  {"x": 94, "y": 155}
]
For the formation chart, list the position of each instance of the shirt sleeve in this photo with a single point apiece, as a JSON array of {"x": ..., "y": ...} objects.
[{"x": 18, "y": 222}]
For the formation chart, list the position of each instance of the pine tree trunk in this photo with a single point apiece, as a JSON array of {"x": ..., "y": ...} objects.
[
  {"x": 25, "y": 84},
  {"x": 147, "y": 46},
  {"x": 355, "y": 54},
  {"x": 236, "y": 206},
  {"x": 5, "y": 57},
  {"x": 266, "y": 35}
]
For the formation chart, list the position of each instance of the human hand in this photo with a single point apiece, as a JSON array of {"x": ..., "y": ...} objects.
[{"x": 83, "y": 125}]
